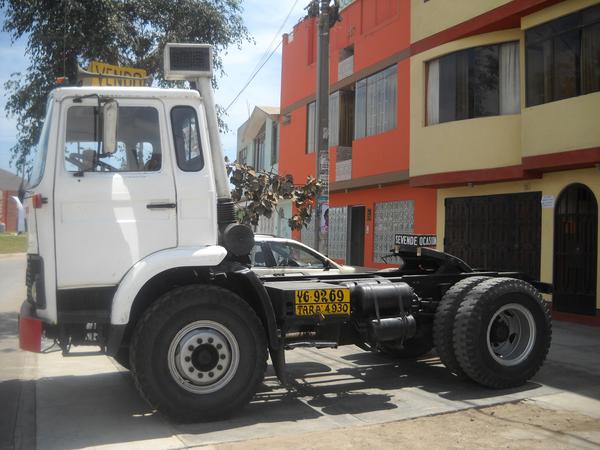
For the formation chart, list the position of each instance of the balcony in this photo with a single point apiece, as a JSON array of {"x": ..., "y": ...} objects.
[
  {"x": 345, "y": 67},
  {"x": 343, "y": 164}
]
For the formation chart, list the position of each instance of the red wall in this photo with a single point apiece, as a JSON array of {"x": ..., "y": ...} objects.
[
  {"x": 425, "y": 209},
  {"x": 378, "y": 29},
  {"x": 372, "y": 43}
]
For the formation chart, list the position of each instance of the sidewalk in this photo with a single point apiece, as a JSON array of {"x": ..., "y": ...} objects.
[{"x": 343, "y": 398}]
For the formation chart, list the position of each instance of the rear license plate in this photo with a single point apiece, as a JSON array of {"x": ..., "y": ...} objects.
[{"x": 326, "y": 302}]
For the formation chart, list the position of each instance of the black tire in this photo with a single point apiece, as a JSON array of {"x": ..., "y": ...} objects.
[
  {"x": 122, "y": 357},
  {"x": 487, "y": 348},
  {"x": 160, "y": 342},
  {"x": 417, "y": 346},
  {"x": 445, "y": 316}
]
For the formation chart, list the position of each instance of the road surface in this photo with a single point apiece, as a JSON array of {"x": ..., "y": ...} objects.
[{"x": 344, "y": 396}]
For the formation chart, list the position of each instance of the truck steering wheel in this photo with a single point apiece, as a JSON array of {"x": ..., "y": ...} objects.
[{"x": 81, "y": 163}]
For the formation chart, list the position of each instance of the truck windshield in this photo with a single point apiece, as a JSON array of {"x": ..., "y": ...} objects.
[{"x": 39, "y": 152}]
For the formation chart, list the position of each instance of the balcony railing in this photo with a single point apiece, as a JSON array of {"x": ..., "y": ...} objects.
[
  {"x": 343, "y": 164},
  {"x": 345, "y": 67}
]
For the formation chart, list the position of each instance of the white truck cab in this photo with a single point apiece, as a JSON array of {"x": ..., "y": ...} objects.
[
  {"x": 105, "y": 215},
  {"x": 134, "y": 249}
]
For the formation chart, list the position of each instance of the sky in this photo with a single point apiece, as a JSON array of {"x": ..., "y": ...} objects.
[{"x": 262, "y": 17}]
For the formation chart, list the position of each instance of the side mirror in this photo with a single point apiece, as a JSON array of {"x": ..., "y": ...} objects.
[{"x": 110, "y": 115}]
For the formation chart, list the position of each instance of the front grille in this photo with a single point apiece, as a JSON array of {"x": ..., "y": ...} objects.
[{"x": 34, "y": 277}]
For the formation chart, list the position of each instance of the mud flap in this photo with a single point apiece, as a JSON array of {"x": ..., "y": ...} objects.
[{"x": 30, "y": 330}]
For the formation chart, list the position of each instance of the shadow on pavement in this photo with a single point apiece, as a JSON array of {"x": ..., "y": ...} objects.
[{"x": 83, "y": 408}]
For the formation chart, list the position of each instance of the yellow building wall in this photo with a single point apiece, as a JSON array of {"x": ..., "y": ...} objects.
[
  {"x": 551, "y": 184},
  {"x": 428, "y": 18},
  {"x": 569, "y": 124},
  {"x": 564, "y": 125},
  {"x": 490, "y": 142},
  {"x": 471, "y": 144}
]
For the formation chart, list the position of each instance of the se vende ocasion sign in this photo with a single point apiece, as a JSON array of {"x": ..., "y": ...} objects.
[{"x": 416, "y": 240}]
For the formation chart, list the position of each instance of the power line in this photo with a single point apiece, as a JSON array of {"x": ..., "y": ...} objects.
[
  {"x": 252, "y": 78},
  {"x": 261, "y": 62},
  {"x": 277, "y": 33}
]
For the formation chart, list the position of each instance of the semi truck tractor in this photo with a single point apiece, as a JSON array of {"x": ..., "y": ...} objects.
[{"x": 134, "y": 250}]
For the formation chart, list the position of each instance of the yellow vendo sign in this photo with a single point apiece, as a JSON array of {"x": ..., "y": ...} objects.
[{"x": 109, "y": 69}]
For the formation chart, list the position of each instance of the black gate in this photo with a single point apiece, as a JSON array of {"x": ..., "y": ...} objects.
[
  {"x": 496, "y": 232},
  {"x": 357, "y": 236},
  {"x": 575, "y": 250}
]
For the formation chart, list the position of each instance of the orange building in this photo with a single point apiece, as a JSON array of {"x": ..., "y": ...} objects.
[{"x": 369, "y": 131}]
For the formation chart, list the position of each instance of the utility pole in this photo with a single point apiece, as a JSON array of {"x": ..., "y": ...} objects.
[{"x": 322, "y": 110}]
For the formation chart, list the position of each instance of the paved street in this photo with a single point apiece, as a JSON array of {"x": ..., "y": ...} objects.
[
  {"x": 88, "y": 401},
  {"x": 17, "y": 369}
]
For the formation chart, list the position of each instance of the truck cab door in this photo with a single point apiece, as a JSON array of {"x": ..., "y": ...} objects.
[
  {"x": 194, "y": 180},
  {"x": 111, "y": 211}
]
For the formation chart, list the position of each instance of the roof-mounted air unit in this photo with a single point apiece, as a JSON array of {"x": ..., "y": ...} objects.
[{"x": 187, "y": 61}]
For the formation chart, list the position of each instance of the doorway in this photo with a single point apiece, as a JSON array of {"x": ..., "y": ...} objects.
[
  {"x": 356, "y": 245},
  {"x": 575, "y": 250}
]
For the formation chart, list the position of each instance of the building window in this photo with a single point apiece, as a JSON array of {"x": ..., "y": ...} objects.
[
  {"x": 391, "y": 218},
  {"x": 243, "y": 156},
  {"x": 259, "y": 150},
  {"x": 311, "y": 128},
  {"x": 563, "y": 57},
  {"x": 274, "y": 143},
  {"x": 375, "y": 103},
  {"x": 477, "y": 82}
]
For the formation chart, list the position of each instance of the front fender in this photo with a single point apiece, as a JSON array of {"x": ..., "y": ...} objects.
[{"x": 154, "y": 264}]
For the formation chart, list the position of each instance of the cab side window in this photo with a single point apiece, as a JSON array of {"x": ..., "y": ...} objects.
[
  {"x": 138, "y": 141},
  {"x": 186, "y": 134}
]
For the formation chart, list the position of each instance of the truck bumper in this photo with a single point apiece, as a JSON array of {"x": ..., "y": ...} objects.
[{"x": 30, "y": 329}]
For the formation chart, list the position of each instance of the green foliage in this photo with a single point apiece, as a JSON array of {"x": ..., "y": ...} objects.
[
  {"x": 257, "y": 193},
  {"x": 64, "y": 33}
]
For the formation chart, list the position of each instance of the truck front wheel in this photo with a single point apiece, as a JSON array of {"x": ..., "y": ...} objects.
[
  {"x": 199, "y": 353},
  {"x": 502, "y": 333}
]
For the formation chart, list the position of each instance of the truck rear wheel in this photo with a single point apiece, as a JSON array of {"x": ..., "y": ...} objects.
[
  {"x": 502, "y": 333},
  {"x": 445, "y": 316},
  {"x": 199, "y": 353}
]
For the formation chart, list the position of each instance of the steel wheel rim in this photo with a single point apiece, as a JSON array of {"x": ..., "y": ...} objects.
[
  {"x": 203, "y": 357},
  {"x": 511, "y": 334}
]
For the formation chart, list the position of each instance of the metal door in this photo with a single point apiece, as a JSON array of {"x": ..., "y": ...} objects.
[
  {"x": 110, "y": 215},
  {"x": 496, "y": 232},
  {"x": 357, "y": 236},
  {"x": 575, "y": 250}
]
